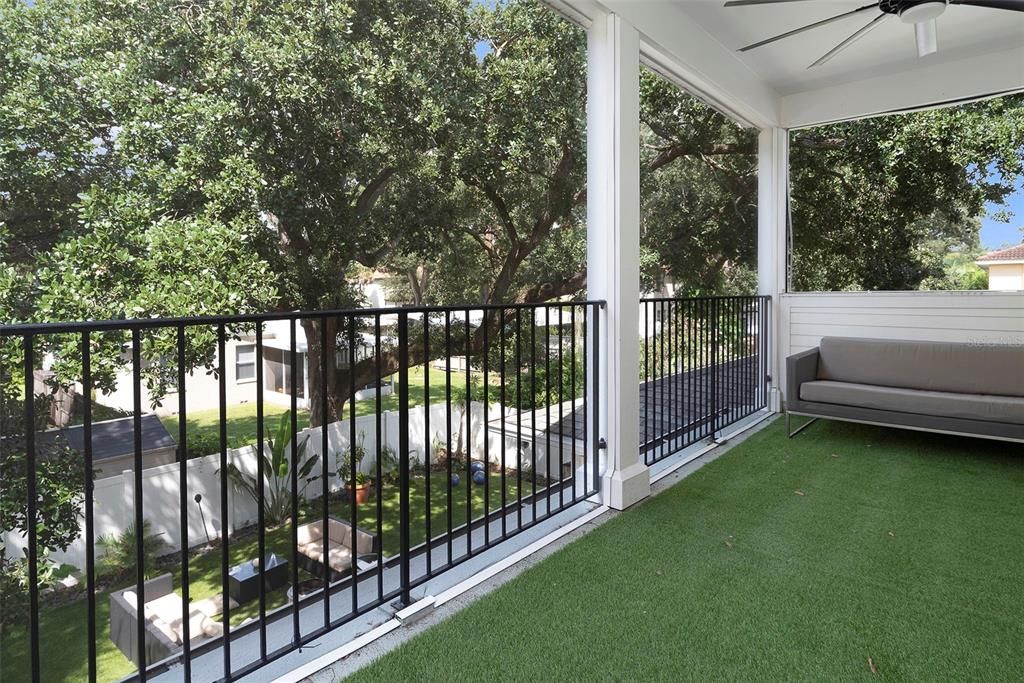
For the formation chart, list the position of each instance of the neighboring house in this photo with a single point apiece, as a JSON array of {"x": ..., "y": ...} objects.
[
  {"x": 113, "y": 444},
  {"x": 1005, "y": 269},
  {"x": 202, "y": 387}
]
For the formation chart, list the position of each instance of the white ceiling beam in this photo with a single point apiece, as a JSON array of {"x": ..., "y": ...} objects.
[
  {"x": 685, "y": 53},
  {"x": 927, "y": 85}
]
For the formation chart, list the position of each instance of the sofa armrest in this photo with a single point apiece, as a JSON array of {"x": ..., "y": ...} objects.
[
  {"x": 800, "y": 367},
  {"x": 158, "y": 587}
]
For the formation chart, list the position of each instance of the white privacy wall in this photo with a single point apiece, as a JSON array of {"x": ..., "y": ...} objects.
[
  {"x": 973, "y": 317},
  {"x": 114, "y": 497}
]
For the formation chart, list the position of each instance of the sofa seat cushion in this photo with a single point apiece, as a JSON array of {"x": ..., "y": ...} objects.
[
  {"x": 340, "y": 557},
  {"x": 1009, "y": 409}
]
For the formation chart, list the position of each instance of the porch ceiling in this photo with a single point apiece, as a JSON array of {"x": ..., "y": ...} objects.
[{"x": 981, "y": 52}]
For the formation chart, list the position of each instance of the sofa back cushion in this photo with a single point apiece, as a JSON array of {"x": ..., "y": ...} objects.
[
  {"x": 341, "y": 534},
  {"x": 929, "y": 366},
  {"x": 309, "y": 533}
]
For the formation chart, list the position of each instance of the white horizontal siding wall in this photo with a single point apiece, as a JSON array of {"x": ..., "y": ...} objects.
[{"x": 979, "y": 317}]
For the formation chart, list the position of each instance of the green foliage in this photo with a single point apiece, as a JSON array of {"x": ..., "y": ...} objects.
[
  {"x": 201, "y": 444},
  {"x": 119, "y": 552},
  {"x": 344, "y": 461},
  {"x": 277, "y": 466},
  {"x": 59, "y": 474},
  {"x": 867, "y": 196}
]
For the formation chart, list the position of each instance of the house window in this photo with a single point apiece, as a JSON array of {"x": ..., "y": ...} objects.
[{"x": 245, "y": 363}]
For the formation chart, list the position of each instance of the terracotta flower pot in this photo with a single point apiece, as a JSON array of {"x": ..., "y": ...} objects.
[{"x": 362, "y": 492}]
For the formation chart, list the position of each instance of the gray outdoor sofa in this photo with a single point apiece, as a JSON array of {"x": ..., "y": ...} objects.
[
  {"x": 163, "y": 628},
  {"x": 971, "y": 389}
]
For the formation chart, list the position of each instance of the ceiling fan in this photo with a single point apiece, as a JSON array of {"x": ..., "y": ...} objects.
[{"x": 921, "y": 13}]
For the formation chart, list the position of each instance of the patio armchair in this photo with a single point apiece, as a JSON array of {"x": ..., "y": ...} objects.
[
  {"x": 339, "y": 547},
  {"x": 164, "y": 631},
  {"x": 968, "y": 389}
]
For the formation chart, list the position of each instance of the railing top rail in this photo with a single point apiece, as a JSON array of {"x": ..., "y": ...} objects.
[
  {"x": 23, "y": 329},
  {"x": 748, "y": 297}
]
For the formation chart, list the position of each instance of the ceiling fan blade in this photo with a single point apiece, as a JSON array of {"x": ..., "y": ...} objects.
[
  {"x": 741, "y": 3},
  {"x": 1012, "y": 5},
  {"x": 816, "y": 24},
  {"x": 860, "y": 33},
  {"x": 927, "y": 36}
]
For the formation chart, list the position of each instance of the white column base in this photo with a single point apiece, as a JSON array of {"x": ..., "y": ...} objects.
[{"x": 622, "y": 488}]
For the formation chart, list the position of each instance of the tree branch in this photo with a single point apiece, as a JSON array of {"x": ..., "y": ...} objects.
[{"x": 368, "y": 197}]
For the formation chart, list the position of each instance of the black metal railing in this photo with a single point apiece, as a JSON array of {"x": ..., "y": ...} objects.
[
  {"x": 703, "y": 366},
  {"x": 299, "y": 530}
]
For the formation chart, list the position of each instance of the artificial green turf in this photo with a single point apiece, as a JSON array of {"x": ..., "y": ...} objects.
[{"x": 905, "y": 548}]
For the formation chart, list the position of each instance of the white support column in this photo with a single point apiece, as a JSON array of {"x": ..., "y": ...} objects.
[
  {"x": 613, "y": 247},
  {"x": 772, "y": 244}
]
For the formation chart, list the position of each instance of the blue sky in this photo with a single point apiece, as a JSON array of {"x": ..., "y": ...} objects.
[{"x": 995, "y": 234}]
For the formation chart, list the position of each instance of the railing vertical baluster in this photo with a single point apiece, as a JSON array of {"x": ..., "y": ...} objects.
[
  {"x": 646, "y": 393},
  {"x": 30, "y": 454},
  {"x": 448, "y": 425},
  {"x": 691, "y": 367},
  {"x": 597, "y": 403},
  {"x": 716, "y": 375},
  {"x": 379, "y": 413},
  {"x": 186, "y": 635},
  {"x": 261, "y": 490},
  {"x": 140, "y": 569},
  {"x": 90, "y": 548},
  {"x": 572, "y": 383},
  {"x": 353, "y": 464},
  {"x": 519, "y": 419},
  {"x": 670, "y": 306},
  {"x": 502, "y": 340},
  {"x": 403, "y": 453},
  {"x": 533, "y": 402},
  {"x": 547, "y": 409},
  {"x": 469, "y": 441},
  {"x": 293, "y": 470},
  {"x": 586, "y": 400},
  {"x": 427, "y": 443},
  {"x": 561, "y": 402},
  {"x": 662, "y": 372},
  {"x": 225, "y": 555},
  {"x": 486, "y": 323},
  {"x": 326, "y": 357}
]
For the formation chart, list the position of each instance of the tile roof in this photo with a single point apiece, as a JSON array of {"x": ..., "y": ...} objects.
[{"x": 1010, "y": 254}]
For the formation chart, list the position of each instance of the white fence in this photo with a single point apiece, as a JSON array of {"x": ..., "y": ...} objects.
[{"x": 113, "y": 506}]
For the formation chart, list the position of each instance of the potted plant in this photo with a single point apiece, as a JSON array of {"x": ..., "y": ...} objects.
[{"x": 344, "y": 461}]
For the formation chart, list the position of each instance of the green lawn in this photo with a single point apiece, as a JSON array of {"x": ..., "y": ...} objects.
[
  {"x": 64, "y": 627},
  {"x": 241, "y": 422},
  {"x": 783, "y": 560}
]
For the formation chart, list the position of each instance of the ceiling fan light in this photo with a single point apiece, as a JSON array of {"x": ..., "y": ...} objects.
[
  {"x": 927, "y": 36},
  {"x": 925, "y": 11}
]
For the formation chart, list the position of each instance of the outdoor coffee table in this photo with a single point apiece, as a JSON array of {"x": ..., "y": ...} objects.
[{"x": 244, "y": 580}]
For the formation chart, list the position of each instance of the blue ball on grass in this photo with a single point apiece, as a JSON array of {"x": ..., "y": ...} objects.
[
  {"x": 477, "y": 466},
  {"x": 479, "y": 477},
  {"x": 455, "y": 480}
]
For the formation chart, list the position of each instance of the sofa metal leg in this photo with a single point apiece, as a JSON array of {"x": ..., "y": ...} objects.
[{"x": 805, "y": 425}]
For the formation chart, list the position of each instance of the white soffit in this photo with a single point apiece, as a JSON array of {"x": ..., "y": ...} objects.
[{"x": 981, "y": 53}]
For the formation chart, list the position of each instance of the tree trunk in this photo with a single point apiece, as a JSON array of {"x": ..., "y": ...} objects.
[{"x": 317, "y": 356}]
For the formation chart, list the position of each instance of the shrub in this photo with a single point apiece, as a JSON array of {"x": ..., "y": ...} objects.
[{"x": 119, "y": 551}]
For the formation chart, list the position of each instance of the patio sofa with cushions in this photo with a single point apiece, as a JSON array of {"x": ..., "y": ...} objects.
[
  {"x": 311, "y": 547},
  {"x": 972, "y": 389},
  {"x": 164, "y": 632}
]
